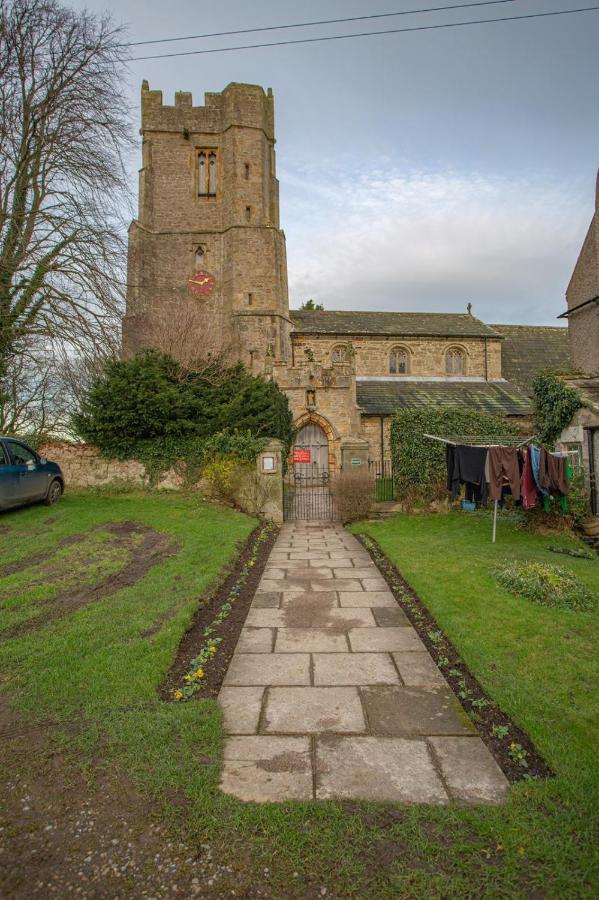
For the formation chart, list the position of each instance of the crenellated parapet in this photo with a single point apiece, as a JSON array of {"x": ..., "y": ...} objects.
[{"x": 241, "y": 105}]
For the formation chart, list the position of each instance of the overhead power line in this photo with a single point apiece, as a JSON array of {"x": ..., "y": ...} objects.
[
  {"x": 403, "y": 12},
  {"x": 342, "y": 37}
]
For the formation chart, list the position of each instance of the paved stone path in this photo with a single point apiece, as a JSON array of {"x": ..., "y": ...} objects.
[{"x": 331, "y": 693}]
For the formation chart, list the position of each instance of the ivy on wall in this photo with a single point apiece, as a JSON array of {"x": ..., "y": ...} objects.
[
  {"x": 555, "y": 406},
  {"x": 420, "y": 464}
]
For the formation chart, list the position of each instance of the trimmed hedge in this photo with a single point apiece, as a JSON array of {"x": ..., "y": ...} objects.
[{"x": 420, "y": 464}]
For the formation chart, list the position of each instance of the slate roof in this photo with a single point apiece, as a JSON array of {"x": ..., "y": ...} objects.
[
  {"x": 527, "y": 349},
  {"x": 396, "y": 324},
  {"x": 382, "y": 398}
]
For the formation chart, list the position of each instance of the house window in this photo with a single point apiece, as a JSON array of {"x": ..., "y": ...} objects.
[
  {"x": 454, "y": 361},
  {"x": 246, "y": 171},
  {"x": 250, "y": 299},
  {"x": 248, "y": 214},
  {"x": 207, "y": 173},
  {"x": 339, "y": 354},
  {"x": 398, "y": 361}
]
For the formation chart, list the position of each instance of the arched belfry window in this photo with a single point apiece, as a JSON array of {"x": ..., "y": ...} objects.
[
  {"x": 207, "y": 173},
  {"x": 455, "y": 361},
  {"x": 339, "y": 354},
  {"x": 399, "y": 361}
]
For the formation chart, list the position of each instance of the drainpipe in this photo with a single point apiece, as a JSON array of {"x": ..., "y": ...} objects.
[
  {"x": 592, "y": 474},
  {"x": 382, "y": 442},
  {"x": 486, "y": 362}
]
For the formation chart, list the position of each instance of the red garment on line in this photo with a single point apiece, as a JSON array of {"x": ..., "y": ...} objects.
[{"x": 529, "y": 487}]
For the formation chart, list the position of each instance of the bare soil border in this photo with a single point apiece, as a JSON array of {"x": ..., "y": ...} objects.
[
  {"x": 459, "y": 676},
  {"x": 229, "y": 629}
]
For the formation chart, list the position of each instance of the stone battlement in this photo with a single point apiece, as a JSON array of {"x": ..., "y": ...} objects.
[{"x": 241, "y": 105}]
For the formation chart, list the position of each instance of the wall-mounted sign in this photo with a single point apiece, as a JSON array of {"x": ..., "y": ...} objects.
[
  {"x": 302, "y": 455},
  {"x": 268, "y": 463},
  {"x": 356, "y": 461},
  {"x": 202, "y": 284}
]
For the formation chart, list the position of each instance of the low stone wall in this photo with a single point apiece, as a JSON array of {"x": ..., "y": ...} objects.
[
  {"x": 259, "y": 493},
  {"x": 83, "y": 466}
]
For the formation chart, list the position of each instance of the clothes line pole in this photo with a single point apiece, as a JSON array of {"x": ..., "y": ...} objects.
[{"x": 494, "y": 522}]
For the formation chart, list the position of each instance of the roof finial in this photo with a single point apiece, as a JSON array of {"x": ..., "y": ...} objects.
[{"x": 469, "y": 309}]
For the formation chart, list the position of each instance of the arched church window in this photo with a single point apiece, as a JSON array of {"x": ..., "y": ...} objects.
[
  {"x": 339, "y": 354},
  {"x": 455, "y": 361},
  {"x": 207, "y": 173},
  {"x": 398, "y": 361}
]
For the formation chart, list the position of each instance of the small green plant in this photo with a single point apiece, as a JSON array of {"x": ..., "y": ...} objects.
[
  {"x": 480, "y": 703},
  {"x": 547, "y": 585},
  {"x": 518, "y": 754},
  {"x": 435, "y": 636},
  {"x": 500, "y": 731},
  {"x": 443, "y": 661}
]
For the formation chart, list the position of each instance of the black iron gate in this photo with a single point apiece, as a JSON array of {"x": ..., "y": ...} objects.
[
  {"x": 307, "y": 494},
  {"x": 384, "y": 487}
]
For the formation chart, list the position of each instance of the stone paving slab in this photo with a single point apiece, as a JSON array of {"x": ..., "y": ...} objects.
[
  {"x": 241, "y": 708},
  {"x": 354, "y": 668},
  {"x": 276, "y": 668},
  {"x": 366, "y": 598},
  {"x": 310, "y": 640},
  {"x": 256, "y": 640},
  {"x": 390, "y": 616},
  {"x": 469, "y": 770},
  {"x": 313, "y": 710},
  {"x": 370, "y": 768},
  {"x": 395, "y": 710},
  {"x": 331, "y": 693},
  {"x": 381, "y": 639},
  {"x": 418, "y": 669},
  {"x": 266, "y": 769}
]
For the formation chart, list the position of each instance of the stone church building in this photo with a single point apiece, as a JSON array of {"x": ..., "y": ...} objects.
[{"x": 207, "y": 264}]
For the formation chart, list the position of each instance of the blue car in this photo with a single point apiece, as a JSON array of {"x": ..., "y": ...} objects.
[{"x": 26, "y": 477}]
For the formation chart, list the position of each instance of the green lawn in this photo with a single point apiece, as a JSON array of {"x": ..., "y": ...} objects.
[
  {"x": 95, "y": 667},
  {"x": 541, "y": 665}
]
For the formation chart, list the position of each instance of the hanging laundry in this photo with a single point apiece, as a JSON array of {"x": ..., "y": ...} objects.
[
  {"x": 553, "y": 473},
  {"x": 467, "y": 467},
  {"x": 535, "y": 462},
  {"x": 503, "y": 464},
  {"x": 529, "y": 488}
]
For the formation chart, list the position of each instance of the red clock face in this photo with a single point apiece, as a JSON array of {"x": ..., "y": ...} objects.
[{"x": 202, "y": 284}]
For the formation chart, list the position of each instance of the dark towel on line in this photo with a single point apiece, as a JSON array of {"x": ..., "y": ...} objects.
[{"x": 468, "y": 468}]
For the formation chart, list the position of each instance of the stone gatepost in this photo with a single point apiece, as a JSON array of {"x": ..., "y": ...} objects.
[
  {"x": 270, "y": 481},
  {"x": 354, "y": 454}
]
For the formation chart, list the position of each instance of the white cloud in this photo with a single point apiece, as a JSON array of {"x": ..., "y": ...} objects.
[{"x": 399, "y": 238}]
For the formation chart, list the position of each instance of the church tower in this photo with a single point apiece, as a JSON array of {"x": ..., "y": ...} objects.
[{"x": 206, "y": 253}]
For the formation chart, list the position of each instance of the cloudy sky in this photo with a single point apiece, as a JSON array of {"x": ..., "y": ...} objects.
[{"x": 418, "y": 171}]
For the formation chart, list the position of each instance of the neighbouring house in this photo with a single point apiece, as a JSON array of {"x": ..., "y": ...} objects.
[
  {"x": 582, "y": 297},
  {"x": 207, "y": 264}
]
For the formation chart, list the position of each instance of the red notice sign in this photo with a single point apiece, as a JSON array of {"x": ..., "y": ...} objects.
[{"x": 301, "y": 455}]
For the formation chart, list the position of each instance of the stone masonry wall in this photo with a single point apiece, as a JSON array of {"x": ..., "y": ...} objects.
[
  {"x": 83, "y": 466},
  {"x": 426, "y": 355}
]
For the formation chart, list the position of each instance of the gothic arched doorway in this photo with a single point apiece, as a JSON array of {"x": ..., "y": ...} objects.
[{"x": 311, "y": 450}]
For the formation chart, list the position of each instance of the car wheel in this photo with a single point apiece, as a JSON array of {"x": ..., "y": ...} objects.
[{"x": 54, "y": 493}]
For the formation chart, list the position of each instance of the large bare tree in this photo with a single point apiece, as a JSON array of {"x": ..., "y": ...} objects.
[{"x": 64, "y": 124}]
